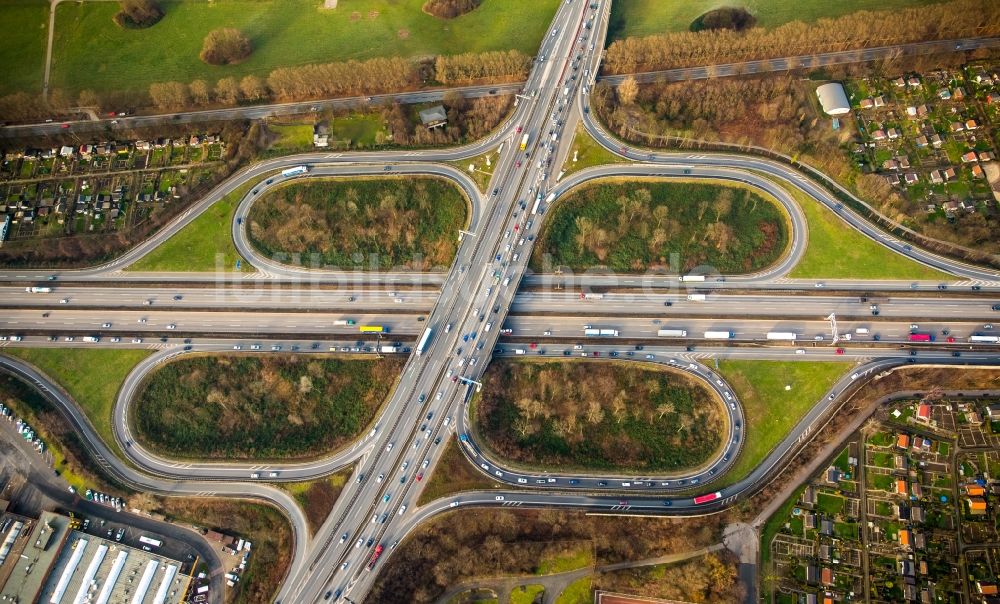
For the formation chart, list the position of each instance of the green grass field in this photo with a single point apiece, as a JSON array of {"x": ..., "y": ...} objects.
[
  {"x": 588, "y": 153},
  {"x": 581, "y": 557},
  {"x": 836, "y": 251},
  {"x": 578, "y": 592},
  {"x": 770, "y": 410},
  {"x": 647, "y": 17},
  {"x": 92, "y": 52},
  {"x": 527, "y": 596},
  {"x": 92, "y": 377},
  {"x": 24, "y": 25},
  {"x": 194, "y": 248},
  {"x": 773, "y": 525}
]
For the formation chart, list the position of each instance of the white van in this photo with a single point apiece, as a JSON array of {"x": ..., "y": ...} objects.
[{"x": 862, "y": 331}]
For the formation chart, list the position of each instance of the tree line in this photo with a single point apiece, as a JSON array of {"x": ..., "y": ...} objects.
[
  {"x": 373, "y": 76},
  {"x": 956, "y": 19}
]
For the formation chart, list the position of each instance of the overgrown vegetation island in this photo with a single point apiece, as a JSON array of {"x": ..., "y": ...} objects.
[
  {"x": 636, "y": 226},
  {"x": 401, "y": 221},
  {"x": 271, "y": 407},
  {"x": 583, "y": 415}
]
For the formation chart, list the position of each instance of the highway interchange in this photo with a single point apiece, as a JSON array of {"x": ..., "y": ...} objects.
[{"x": 225, "y": 311}]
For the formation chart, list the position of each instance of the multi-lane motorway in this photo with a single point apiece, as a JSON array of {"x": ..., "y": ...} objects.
[{"x": 468, "y": 305}]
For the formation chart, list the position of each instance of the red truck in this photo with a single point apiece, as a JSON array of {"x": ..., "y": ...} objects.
[{"x": 375, "y": 556}]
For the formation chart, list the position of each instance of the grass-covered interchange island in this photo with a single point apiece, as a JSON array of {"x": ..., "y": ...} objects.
[
  {"x": 638, "y": 225},
  {"x": 401, "y": 221},
  {"x": 589, "y": 415},
  {"x": 260, "y": 407}
]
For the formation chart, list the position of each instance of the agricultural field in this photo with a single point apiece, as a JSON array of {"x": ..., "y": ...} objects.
[
  {"x": 403, "y": 221},
  {"x": 24, "y": 24},
  {"x": 636, "y": 226},
  {"x": 91, "y": 52},
  {"x": 274, "y": 407},
  {"x": 580, "y": 415}
]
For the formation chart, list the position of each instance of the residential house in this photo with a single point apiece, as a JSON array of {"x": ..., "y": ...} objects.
[
  {"x": 833, "y": 475},
  {"x": 903, "y": 440},
  {"x": 924, "y": 412},
  {"x": 975, "y": 490},
  {"x": 951, "y": 206},
  {"x": 892, "y": 133},
  {"x": 987, "y": 589},
  {"x": 922, "y": 141},
  {"x": 994, "y": 412},
  {"x": 906, "y": 568},
  {"x": 810, "y": 520},
  {"x": 899, "y": 82},
  {"x": 892, "y": 178},
  {"x": 901, "y": 487},
  {"x": 321, "y": 135},
  {"x": 969, "y": 157},
  {"x": 66, "y": 151},
  {"x": 949, "y": 173},
  {"x": 971, "y": 125},
  {"x": 977, "y": 505},
  {"x": 866, "y": 103},
  {"x": 812, "y": 574},
  {"x": 936, "y": 177},
  {"x": 957, "y": 126},
  {"x": 434, "y": 117},
  {"x": 826, "y": 576},
  {"x": 917, "y": 513},
  {"x": 919, "y": 540},
  {"x": 910, "y": 178},
  {"x": 903, "y": 511},
  {"x": 958, "y": 93},
  {"x": 986, "y": 156},
  {"x": 890, "y": 164},
  {"x": 903, "y": 161},
  {"x": 911, "y": 111},
  {"x": 936, "y": 141},
  {"x": 917, "y": 490},
  {"x": 972, "y": 416},
  {"x": 905, "y": 539},
  {"x": 879, "y": 101},
  {"x": 826, "y": 527},
  {"x": 914, "y": 82},
  {"x": 944, "y": 94},
  {"x": 825, "y": 552},
  {"x": 878, "y": 135}
]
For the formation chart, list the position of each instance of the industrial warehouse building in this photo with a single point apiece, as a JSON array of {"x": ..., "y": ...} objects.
[
  {"x": 47, "y": 561},
  {"x": 833, "y": 99}
]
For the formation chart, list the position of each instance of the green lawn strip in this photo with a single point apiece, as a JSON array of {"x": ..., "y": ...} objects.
[
  {"x": 830, "y": 504},
  {"x": 453, "y": 474},
  {"x": 480, "y": 173},
  {"x": 648, "y": 17},
  {"x": 399, "y": 221},
  {"x": 92, "y": 52},
  {"x": 194, "y": 248},
  {"x": 837, "y": 251},
  {"x": 588, "y": 153},
  {"x": 774, "y": 524},
  {"x": 525, "y": 594},
  {"x": 770, "y": 410},
  {"x": 578, "y": 592},
  {"x": 581, "y": 557},
  {"x": 91, "y": 376},
  {"x": 291, "y": 137},
  {"x": 24, "y": 27},
  {"x": 316, "y": 497}
]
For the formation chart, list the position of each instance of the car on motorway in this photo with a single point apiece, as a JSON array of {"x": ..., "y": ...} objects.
[
  {"x": 840, "y": 351},
  {"x": 420, "y": 476},
  {"x": 343, "y": 538},
  {"x": 388, "y": 447},
  {"x": 499, "y": 497},
  {"x": 995, "y": 307},
  {"x": 421, "y": 398},
  {"x": 385, "y": 498},
  {"x": 134, "y": 340},
  {"x": 359, "y": 542},
  {"x": 171, "y": 326},
  {"x": 385, "y": 517},
  {"x": 105, "y": 325}
]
